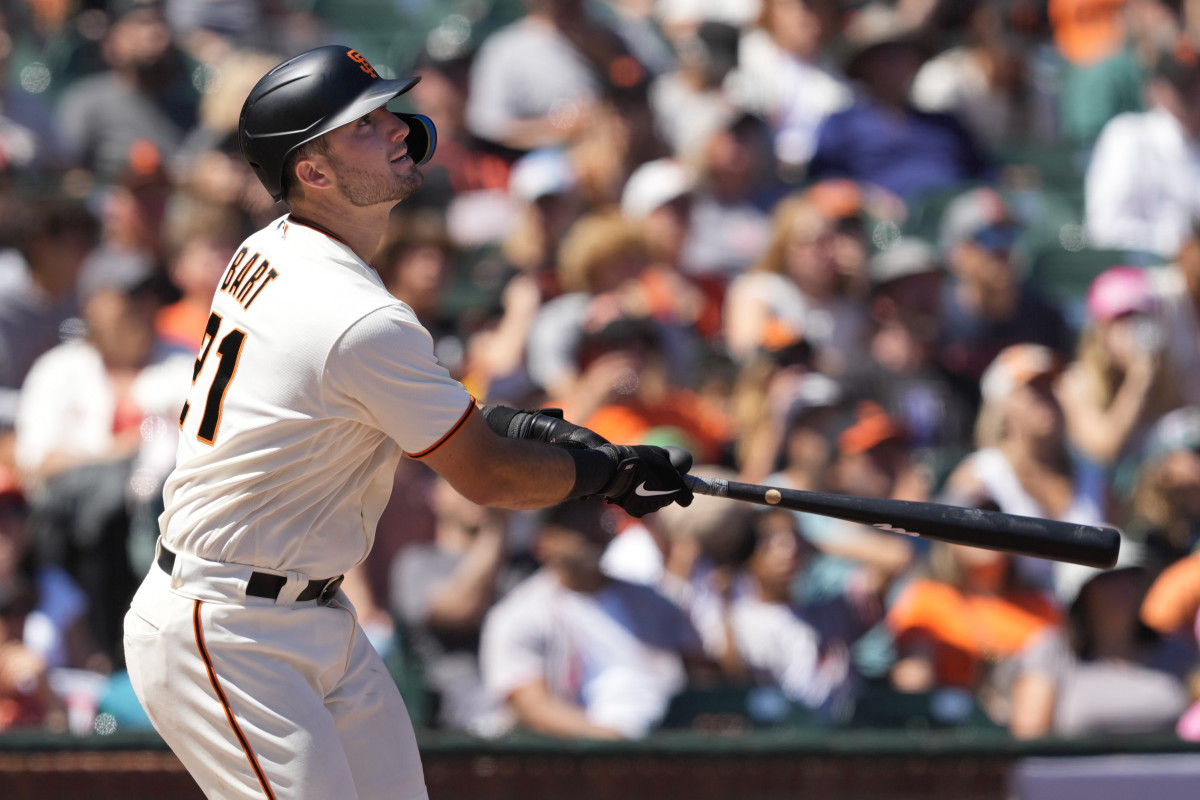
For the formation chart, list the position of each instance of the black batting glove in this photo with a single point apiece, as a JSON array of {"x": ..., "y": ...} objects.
[
  {"x": 542, "y": 425},
  {"x": 645, "y": 478}
]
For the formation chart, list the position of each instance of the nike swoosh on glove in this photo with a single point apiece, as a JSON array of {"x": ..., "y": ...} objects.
[{"x": 645, "y": 478}]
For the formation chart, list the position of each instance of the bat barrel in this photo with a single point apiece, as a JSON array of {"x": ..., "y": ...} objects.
[{"x": 1089, "y": 545}]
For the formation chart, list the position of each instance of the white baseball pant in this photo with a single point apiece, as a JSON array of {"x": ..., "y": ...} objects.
[{"x": 265, "y": 698}]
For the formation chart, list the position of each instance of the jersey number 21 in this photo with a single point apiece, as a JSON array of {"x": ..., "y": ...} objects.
[{"x": 228, "y": 353}]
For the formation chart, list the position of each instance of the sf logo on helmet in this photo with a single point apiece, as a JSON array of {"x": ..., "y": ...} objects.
[{"x": 362, "y": 63}]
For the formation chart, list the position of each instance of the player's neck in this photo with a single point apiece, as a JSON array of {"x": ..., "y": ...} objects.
[{"x": 360, "y": 229}]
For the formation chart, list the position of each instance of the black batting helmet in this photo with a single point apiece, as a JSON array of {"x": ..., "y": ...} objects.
[{"x": 310, "y": 95}]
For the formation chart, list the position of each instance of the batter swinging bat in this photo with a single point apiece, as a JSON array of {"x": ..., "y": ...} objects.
[{"x": 1089, "y": 545}]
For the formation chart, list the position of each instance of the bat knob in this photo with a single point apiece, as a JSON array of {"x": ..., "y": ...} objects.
[{"x": 681, "y": 459}]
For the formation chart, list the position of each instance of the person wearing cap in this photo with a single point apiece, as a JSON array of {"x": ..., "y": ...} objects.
[
  {"x": 1165, "y": 507},
  {"x": 903, "y": 373},
  {"x": 543, "y": 187},
  {"x": 1138, "y": 187},
  {"x": 311, "y": 386},
  {"x": 658, "y": 198},
  {"x": 578, "y": 654},
  {"x": 1118, "y": 384},
  {"x": 881, "y": 139},
  {"x": 986, "y": 304},
  {"x": 1022, "y": 464}
]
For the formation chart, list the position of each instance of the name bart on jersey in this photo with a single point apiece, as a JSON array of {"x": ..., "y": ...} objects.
[{"x": 248, "y": 275}]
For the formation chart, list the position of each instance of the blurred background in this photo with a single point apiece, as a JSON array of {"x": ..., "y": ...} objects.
[{"x": 940, "y": 250}]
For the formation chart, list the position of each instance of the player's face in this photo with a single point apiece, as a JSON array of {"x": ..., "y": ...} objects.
[{"x": 370, "y": 160}]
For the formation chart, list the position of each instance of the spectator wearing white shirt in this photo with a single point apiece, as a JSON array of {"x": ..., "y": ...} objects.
[
  {"x": 783, "y": 77},
  {"x": 1141, "y": 187},
  {"x": 776, "y": 642},
  {"x": 578, "y": 654},
  {"x": 535, "y": 82}
]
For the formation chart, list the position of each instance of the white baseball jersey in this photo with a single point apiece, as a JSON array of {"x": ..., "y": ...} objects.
[{"x": 310, "y": 383}]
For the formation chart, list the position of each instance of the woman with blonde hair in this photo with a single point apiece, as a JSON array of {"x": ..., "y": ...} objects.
[
  {"x": 797, "y": 292},
  {"x": 1117, "y": 386},
  {"x": 1022, "y": 464}
]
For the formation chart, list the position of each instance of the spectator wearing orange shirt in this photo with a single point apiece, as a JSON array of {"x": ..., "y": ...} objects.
[
  {"x": 641, "y": 398},
  {"x": 960, "y": 625},
  {"x": 201, "y": 247}
]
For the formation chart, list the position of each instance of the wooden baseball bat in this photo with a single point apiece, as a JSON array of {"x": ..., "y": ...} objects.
[{"x": 1089, "y": 545}]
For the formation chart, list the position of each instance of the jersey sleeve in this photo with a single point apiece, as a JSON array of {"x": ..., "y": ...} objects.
[{"x": 383, "y": 371}]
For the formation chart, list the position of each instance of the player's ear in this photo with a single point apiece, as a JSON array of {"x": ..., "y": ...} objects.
[{"x": 312, "y": 170}]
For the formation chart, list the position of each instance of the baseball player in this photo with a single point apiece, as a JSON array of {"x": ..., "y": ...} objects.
[{"x": 310, "y": 384}]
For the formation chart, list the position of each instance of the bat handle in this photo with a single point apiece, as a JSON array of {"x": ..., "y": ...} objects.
[{"x": 710, "y": 486}]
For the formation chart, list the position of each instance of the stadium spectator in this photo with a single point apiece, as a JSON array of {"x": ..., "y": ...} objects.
[
  {"x": 628, "y": 354},
  {"x": 1177, "y": 292},
  {"x": 785, "y": 76},
  {"x": 547, "y": 200},
  {"x": 1140, "y": 177},
  {"x": 601, "y": 263},
  {"x": 658, "y": 198},
  {"x": 207, "y": 168},
  {"x": 687, "y": 100},
  {"x": 735, "y": 191},
  {"x": 1165, "y": 510},
  {"x": 881, "y": 139},
  {"x": 200, "y": 246},
  {"x": 982, "y": 80},
  {"x": 49, "y": 240},
  {"x": 1118, "y": 384},
  {"x": 535, "y": 83},
  {"x": 694, "y": 558},
  {"x": 441, "y": 591},
  {"x": 796, "y": 291},
  {"x": 1104, "y": 672},
  {"x": 144, "y": 99},
  {"x": 874, "y": 458},
  {"x": 577, "y": 654},
  {"x": 1107, "y": 50},
  {"x": 986, "y": 304},
  {"x": 1023, "y": 465},
  {"x": 779, "y": 643},
  {"x": 901, "y": 371},
  {"x": 961, "y": 625},
  {"x": 95, "y": 424}
]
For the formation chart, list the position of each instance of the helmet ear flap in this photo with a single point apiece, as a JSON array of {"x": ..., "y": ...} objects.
[{"x": 422, "y": 137}]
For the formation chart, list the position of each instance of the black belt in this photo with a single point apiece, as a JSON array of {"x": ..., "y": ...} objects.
[{"x": 264, "y": 584}]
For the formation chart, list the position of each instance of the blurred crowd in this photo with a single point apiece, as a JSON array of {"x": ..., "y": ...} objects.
[{"x": 940, "y": 250}]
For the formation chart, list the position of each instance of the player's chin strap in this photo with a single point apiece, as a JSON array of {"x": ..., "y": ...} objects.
[{"x": 422, "y": 137}]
